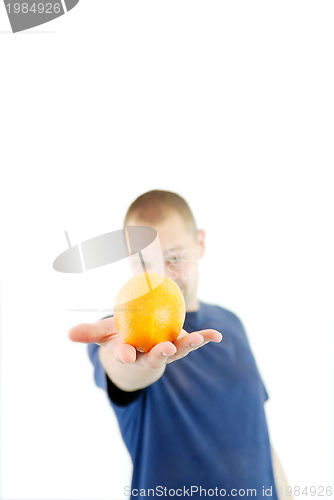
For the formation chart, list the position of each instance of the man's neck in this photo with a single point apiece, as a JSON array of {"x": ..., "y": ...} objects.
[{"x": 193, "y": 305}]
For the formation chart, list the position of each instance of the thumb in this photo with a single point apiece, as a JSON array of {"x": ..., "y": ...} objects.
[{"x": 100, "y": 332}]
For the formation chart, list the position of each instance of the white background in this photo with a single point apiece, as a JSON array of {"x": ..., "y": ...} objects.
[{"x": 230, "y": 104}]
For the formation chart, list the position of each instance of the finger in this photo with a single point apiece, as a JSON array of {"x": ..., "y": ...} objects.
[
  {"x": 193, "y": 341},
  {"x": 124, "y": 353},
  {"x": 158, "y": 355},
  {"x": 187, "y": 343},
  {"x": 182, "y": 333},
  {"x": 209, "y": 334},
  {"x": 100, "y": 332}
]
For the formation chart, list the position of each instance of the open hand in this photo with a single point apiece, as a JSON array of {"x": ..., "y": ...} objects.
[{"x": 104, "y": 333}]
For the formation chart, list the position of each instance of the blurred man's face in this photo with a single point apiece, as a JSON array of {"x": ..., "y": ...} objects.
[{"x": 181, "y": 251}]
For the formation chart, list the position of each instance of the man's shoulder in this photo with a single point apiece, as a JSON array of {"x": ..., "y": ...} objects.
[
  {"x": 216, "y": 309},
  {"x": 227, "y": 318}
]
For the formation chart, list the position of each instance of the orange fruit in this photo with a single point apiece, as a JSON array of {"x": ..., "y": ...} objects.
[{"x": 149, "y": 309}]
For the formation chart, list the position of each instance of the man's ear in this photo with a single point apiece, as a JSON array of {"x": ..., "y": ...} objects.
[{"x": 201, "y": 241}]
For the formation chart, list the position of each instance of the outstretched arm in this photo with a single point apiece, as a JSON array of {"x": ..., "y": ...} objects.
[{"x": 128, "y": 368}]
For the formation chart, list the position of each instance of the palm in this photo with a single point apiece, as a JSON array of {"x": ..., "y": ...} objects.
[{"x": 104, "y": 333}]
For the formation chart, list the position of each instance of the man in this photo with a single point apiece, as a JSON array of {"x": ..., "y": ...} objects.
[{"x": 190, "y": 412}]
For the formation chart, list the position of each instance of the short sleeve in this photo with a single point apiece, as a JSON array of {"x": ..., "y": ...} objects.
[
  {"x": 99, "y": 373},
  {"x": 116, "y": 395},
  {"x": 119, "y": 397}
]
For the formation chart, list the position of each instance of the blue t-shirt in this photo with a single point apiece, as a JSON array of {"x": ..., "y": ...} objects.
[{"x": 202, "y": 425}]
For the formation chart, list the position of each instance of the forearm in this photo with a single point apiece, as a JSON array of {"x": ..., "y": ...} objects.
[
  {"x": 279, "y": 476},
  {"x": 128, "y": 376}
]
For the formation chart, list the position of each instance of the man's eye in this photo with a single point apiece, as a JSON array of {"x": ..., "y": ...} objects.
[{"x": 174, "y": 259}]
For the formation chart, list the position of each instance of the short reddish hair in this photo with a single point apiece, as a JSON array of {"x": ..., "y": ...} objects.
[{"x": 155, "y": 206}]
